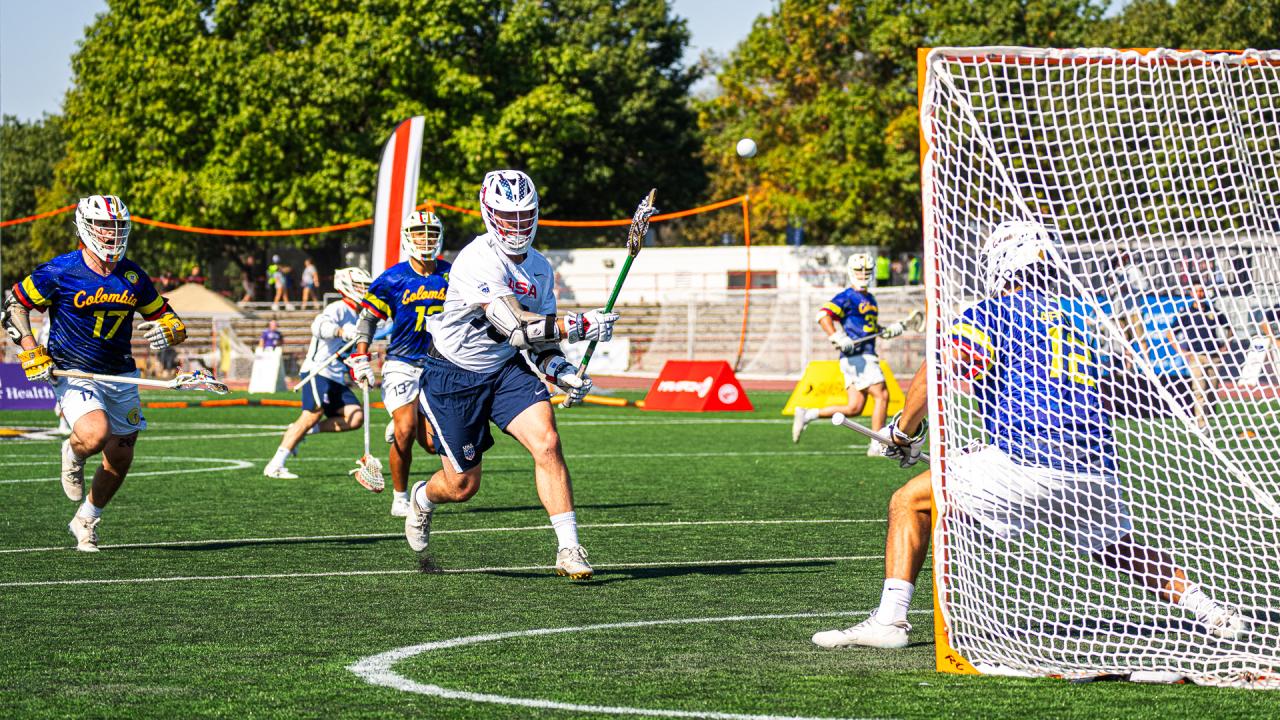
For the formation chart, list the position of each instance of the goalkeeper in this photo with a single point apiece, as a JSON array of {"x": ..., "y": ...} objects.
[{"x": 1049, "y": 450}]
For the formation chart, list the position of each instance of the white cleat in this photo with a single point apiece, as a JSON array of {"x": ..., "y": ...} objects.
[
  {"x": 868, "y": 633},
  {"x": 85, "y": 531},
  {"x": 279, "y": 472},
  {"x": 572, "y": 561},
  {"x": 390, "y": 433},
  {"x": 798, "y": 423},
  {"x": 72, "y": 473},
  {"x": 1224, "y": 622},
  {"x": 399, "y": 508},
  {"x": 417, "y": 522}
]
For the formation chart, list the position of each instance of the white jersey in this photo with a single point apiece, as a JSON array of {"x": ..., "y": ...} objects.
[
  {"x": 325, "y": 340},
  {"x": 481, "y": 274}
]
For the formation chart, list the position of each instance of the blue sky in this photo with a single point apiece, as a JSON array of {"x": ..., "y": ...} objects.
[{"x": 38, "y": 37}]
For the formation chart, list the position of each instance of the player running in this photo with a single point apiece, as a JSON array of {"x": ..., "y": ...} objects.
[
  {"x": 850, "y": 316},
  {"x": 1048, "y": 457},
  {"x": 501, "y": 302},
  {"x": 91, "y": 295},
  {"x": 328, "y": 405},
  {"x": 408, "y": 293}
]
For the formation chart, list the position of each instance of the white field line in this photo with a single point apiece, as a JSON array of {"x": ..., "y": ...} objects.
[
  {"x": 523, "y": 528},
  {"x": 148, "y": 438},
  {"x": 454, "y": 571},
  {"x": 229, "y": 464},
  {"x": 609, "y": 456},
  {"x": 377, "y": 669}
]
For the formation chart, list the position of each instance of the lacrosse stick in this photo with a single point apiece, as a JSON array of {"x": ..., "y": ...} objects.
[
  {"x": 635, "y": 236},
  {"x": 914, "y": 323},
  {"x": 368, "y": 470},
  {"x": 196, "y": 380},
  {"x": 324, "y": 364},
  {"x": 839, "y": 419}
]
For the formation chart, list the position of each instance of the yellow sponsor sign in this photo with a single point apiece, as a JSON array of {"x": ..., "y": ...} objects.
[{"x": 823, "y": 384}]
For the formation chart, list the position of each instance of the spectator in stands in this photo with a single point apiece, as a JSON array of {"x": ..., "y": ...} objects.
[
  {"x": 195, "y": 276},
  {"x": 281, "y": 283},
  {"x": 310, "y": 284},
  {"x": 1201, "y": 335},
  {"x": 884, "y": 275},
  {"x": 247, "y": 280},
  {"x": 166, "y": 281},
  {"x": 271, "y": 337},
  {"x": 915, "y": 274}
]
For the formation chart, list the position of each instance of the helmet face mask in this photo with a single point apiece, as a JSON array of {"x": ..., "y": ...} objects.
[
  {"x": 103, "y": 224},
  {"x": 352, "y": 283},
  {"x": 509, "y": 207},
  {"x": 859, "y": 268},
  {"x": 421, "y": 236},
  {"x": 1012, "y": 250}
]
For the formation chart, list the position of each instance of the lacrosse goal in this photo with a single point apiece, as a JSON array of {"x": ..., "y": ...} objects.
[{"x": 1157, "y": 176}]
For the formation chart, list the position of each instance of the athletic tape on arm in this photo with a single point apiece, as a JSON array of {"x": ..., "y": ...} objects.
[{"x": 524, "y": 329}]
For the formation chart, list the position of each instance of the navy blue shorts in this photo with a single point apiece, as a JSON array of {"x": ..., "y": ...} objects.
[
  {"x": 325, "y": 394},
  {"x": 460, "y": 403}
]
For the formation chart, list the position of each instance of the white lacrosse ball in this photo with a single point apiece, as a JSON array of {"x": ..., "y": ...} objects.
[{"x": 746, "y": 148}]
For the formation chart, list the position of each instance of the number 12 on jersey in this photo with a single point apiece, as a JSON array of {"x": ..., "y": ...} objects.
[
  {"x": 423, "y": 313},
  {"x": 1069, "y": 356}
]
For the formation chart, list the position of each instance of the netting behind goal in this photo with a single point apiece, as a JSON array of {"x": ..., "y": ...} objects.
[{"x": 1093, "y": 442}]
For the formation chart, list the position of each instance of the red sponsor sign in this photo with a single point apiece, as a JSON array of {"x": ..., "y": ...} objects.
[{"x": 697, "y": 386}]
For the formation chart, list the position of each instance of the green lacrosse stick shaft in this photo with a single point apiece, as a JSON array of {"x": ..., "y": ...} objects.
[{"x": 608, "y": 308}]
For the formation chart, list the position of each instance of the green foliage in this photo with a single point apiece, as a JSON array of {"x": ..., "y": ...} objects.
[
  {"x": 1196, "y": 24},
  {"x": 28, "y": 153}
]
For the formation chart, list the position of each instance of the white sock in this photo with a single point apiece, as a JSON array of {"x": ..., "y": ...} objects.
[
  {"x": 423, "y": 501},
  {"x": 895, "y": 599},
  {"x": 566, "y": 527},
  {"x": 281, "y": 455},
  {"x": 401, "y": 495},
  {"x": 810, "y": 414},
  {"x": 90, "y": 510},
  {"x": 1196, "y": 601}
]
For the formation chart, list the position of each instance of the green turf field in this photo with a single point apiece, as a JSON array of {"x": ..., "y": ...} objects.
[{"x": 720, "y": 547}]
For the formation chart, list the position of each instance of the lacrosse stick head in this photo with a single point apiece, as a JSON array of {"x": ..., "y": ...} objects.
[
  {"x": 640, "y": 223},
  {"x": 915, "y": 322},
  {"x": 200, "y": 380},
  {"x": 368, "y": 473}
]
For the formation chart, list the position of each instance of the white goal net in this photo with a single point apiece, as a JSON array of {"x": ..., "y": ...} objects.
[{"x": 1103, "y": 244}]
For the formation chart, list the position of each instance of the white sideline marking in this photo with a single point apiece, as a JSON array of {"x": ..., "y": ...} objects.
[
  {"x": 523, "y": 528},
  {"x": 377, "y": 669},
  {"x": 231, "y": 465},
  {"x": 455, "y": 571},
  {"x": 144, "y": 437},
  {"x": 607, "y": 456}
]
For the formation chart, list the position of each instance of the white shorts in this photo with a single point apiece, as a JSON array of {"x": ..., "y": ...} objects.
[
  {"x": 119, "y": 401},
  {"x": 1008, "y": 499},
  {"x": 861, "y": 371},
  {"x": 399, "y": 384}
]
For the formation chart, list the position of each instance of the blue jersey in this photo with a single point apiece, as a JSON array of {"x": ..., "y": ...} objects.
[
  {"x": 1036, "y": 381},
  {"x": 856, "y": 311},
  {"x": 90, "y": 316},
  {"x": 400, "y": 293}
]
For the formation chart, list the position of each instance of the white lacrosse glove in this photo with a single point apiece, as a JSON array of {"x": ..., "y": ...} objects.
[
  {"x": 893, "y": 330},
  {"x": 361, "y": 370},
  {"x": 590, "y": 325},
  {"x": 842, "y": 342},
  {"x": 905, "y": 448},
  {"x": 164, "y": 332},
  {"x": 348, "y": 331},
  {"x": 565, "y": 376}
]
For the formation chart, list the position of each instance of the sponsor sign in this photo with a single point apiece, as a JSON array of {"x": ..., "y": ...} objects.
[
  {"x": 697, "y": 386},
  {"x": 19, "y": 393},
  {"x": 823, "y": 384}
]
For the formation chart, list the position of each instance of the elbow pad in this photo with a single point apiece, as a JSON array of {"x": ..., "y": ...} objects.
[
  {"x": 15, "y": 317},
  {"x": 365, "y": 327},
  {"x": 523, "y": 329}
]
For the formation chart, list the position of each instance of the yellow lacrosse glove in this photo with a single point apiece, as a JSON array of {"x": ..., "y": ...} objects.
[
  {"x": 37, "y": 364},
  {"x": 168, "y": 330}
]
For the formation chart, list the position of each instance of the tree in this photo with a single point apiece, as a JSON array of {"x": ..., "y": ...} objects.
[
  {"x": 1195, "y": 24},
  {"x": 272, "y": 113},
  {"x": 28, "y": 152}
]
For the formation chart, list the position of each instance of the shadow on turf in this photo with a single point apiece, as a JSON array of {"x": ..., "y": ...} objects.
[{"x": 605, "y": 577}]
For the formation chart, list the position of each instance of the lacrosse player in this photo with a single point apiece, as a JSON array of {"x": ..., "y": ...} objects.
[
  {"x": 501, "y": 303},
  {"x": 91, "y": 295},
  {"x": 408, "y": 293},
  {"x": 1049, "y": 452},
  {"x": 851, "y": 316},
  {"x": 328, "y": 405}
]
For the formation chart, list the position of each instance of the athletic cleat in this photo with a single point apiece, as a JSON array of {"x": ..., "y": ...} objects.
[
  {"x": 868, "y": 633},
  {"x": 572, "y": 561},
  {"x": 279, "y": 472},
  {"x": 1224, "y": 622},
  {"x": 390, "y": 433},
  {"x": 417, "y": 522},
  {"x": 72, "y": 473},
  {"x": 85, "y": 531},
  {"x": 798, "y": 423},
  {"x": 399, "y": 508}
]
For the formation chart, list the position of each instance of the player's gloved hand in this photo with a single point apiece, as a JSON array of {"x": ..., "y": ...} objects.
[
  {"x": 37, "y": 364},
  {"x": 165, "y": 332},
  {"x": 842, "y": 342},
  {"x": 565, "y": 376},
  {"x": 590, "y": 325},
  {"x": 348, "y": 331},
  {"x": 361, "y": 370},
  {"x": 893, "y": 330},
  {"x": 905, "y": 448}
]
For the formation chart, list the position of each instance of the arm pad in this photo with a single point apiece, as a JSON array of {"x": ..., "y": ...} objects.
[
  {"x": 365, "y": 327},
  {"x": 16, "y": 318},
  {"x": 523, "y": 329}
]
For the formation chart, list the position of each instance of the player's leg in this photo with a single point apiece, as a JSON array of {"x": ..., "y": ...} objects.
[
  {"x": 122, "y": 412},
  {"x": 856, "y": 399},
  {"x": 906, "y": 545},
  {"x": 341, "y": 419},
  {"x": 400, "y": 389},
  {"x": 310, "y": 417},
  {"x": 880, "y": 396}
]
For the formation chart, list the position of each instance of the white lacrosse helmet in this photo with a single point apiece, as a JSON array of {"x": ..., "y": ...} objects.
[
  {"x": 421, "y": 235},
  {"x": 352, "y": 282},
  {"x": 859, "y": 268},
  {"x": 1011, "y": 248},
  {"x": 509, "y": 206},
  {"x": 102, "y": 222}
]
